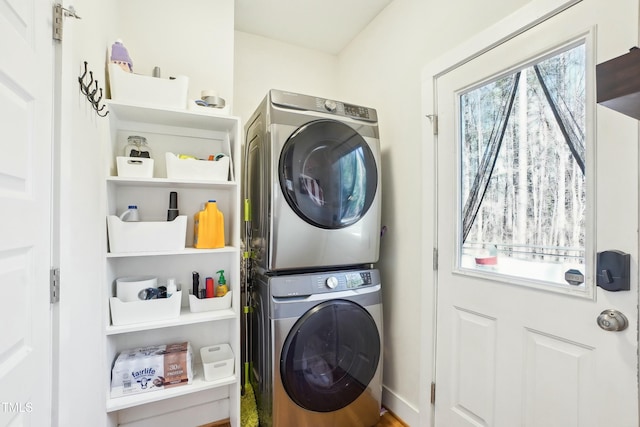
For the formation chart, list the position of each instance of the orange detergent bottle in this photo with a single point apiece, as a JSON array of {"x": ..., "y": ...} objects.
[{"x": 208, "y": 227}]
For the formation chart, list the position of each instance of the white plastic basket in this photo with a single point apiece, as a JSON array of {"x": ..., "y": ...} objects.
[
  {"x": 134, "y": 167},
  {"x": 206, "y": 170},
  {"x": 146, "y": 236},
  {"x": 127, "y": 313},
  {"x": 217, "y": 361},
  {"x": 197, "y": 305},
  {"x": 147, "y": 90}
]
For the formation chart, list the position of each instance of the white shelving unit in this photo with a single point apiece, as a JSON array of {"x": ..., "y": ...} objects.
[{"x": 199, "y": 134}]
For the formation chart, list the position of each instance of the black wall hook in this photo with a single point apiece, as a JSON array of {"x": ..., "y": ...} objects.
[{"x": 90, "y": 92}]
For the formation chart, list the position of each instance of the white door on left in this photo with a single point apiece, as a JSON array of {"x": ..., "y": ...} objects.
[{"x": 26, "y": 71}]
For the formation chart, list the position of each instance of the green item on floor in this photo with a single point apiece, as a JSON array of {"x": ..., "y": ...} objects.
[{"x": 248, "y": 409}]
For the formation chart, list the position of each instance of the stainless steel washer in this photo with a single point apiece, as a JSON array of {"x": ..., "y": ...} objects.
[
  {"x": 317, "y": 349},
  {"x": 311, "y": 169}
]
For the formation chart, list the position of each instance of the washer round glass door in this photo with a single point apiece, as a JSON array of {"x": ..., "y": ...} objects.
[
  {"x": 328, "y": 174},
  {"x": 330, "y": 356}
]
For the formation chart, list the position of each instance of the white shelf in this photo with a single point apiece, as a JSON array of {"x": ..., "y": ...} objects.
[
  {"x": 176, "y": 117},
  {"x": 166, "y": 182},
  {"x": 185, "y": 251},
  {"x": 186, "y": 318},
  {"x": 198, "y": 384},
  {"x": 175, "y": 130}
]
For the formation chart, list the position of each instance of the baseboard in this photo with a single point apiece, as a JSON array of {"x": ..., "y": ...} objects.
[{"x": 403, "y": 410}]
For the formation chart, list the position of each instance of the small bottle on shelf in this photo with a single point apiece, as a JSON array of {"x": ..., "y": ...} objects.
[
  {"x": 131, "y": 214},
  {"x": 222, "y": 288},
  {"x": 172, "y": 288}
]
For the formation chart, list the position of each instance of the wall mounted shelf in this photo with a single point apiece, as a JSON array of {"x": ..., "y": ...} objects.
[{"x": 618, "y": 83}]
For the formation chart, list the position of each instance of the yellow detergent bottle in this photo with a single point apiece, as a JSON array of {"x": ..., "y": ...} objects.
[{"x": 208, "y": 227}]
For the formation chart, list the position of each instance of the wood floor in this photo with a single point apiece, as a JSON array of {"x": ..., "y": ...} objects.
[{"x": 387, "y": 420}]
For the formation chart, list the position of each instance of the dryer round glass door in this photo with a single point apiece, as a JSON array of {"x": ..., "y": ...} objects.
[
  {"x": 330, "y": 356},
  {"x": 328, "y": 174}
]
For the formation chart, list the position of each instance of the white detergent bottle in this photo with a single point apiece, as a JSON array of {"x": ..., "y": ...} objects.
[{"x": 131, "y": 214}]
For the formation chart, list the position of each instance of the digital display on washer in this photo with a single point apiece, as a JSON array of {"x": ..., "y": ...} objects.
[
  {"x": 355, "y": 111},
  {"x": 355, "y": 280}
]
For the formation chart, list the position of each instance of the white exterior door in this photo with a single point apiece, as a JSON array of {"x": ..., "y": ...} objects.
[
  {"x": 514, "y": 351},
  {"x": 25, "y": 176}
]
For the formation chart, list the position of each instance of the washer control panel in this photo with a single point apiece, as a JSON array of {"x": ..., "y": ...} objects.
[
  {"x": 344, "y": 281},
  {"x": 297, "y": 285}
]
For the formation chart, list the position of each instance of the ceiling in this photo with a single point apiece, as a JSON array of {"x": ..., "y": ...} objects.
[{"x": 324, "y": 25}]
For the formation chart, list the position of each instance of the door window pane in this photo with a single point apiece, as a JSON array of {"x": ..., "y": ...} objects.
[{"x": 523, "y": 157}]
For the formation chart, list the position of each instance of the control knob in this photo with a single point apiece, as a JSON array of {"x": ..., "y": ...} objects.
[
  {"x": 330, "y": 105},
  {"x": 332, "y": 282}
]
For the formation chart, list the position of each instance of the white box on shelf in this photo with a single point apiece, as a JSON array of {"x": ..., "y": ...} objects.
[
  {"x": 197, "y": 305},
  {"x": 151, "y": 368},
  {"x": 146, "y": 236},
  {"x": 206, "y": 170},
  {"x": 127, "y": 313},
  {"x": 134, "y": 167},
  {"x": 217, "y": 361},
  {"x": 148, "y": 90}
]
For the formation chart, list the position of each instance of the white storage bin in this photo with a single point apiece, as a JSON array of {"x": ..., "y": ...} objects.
[
  {"x": 147, "y": 90},
  {"x": 146, "y": 236},
  {"x": 128, "y": 288},
  {"x": 127, "y": 313},
  {"x": 206, "y": 170},
  {"x": 134, "y": 167},
  {"x": 217, "y": 361},
  {"x": 196, "y": 305}
]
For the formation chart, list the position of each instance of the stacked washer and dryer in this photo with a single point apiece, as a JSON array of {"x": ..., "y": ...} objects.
[{"x": 311, "y": 174}]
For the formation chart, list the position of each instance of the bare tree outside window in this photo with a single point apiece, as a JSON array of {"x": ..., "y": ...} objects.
[{"x": 523, "y": 186}]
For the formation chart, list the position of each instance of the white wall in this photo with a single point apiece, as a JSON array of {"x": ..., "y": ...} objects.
[
  {"x": 382, "y": 68},
  {"x": 262, "y": 64},
  {"x": 78, "y": 362},
  {"x": 191, "y": 37}
]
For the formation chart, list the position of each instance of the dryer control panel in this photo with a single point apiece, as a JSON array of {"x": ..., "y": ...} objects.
[{"x": 322, "y": 105}]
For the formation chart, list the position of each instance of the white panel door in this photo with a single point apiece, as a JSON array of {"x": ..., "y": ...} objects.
[
  {"x": 25, "y": 175},
  {"x": 519, "y": 352}
]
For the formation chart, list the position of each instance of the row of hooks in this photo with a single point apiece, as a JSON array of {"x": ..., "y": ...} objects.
[{"x": 90, "y": 92}]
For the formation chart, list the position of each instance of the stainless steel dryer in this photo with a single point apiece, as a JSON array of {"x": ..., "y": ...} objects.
[
  {"x": 317, "y": 349},
  {"x": 311, "y": 171}
]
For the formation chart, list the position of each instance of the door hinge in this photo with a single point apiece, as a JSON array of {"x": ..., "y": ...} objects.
[
  {"x": 54, "y": 285},
  {"x": 433, "y": 393},
  {"x": 59, "y": 13},
  {"x": 435, "y": 259},
  {"x": 434, "y": 122}
]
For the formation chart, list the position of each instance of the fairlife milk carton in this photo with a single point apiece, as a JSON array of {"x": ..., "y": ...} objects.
[{"x": 151, "y": 368}]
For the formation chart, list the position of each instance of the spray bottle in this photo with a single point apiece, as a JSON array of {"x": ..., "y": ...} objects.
[{"x": 222, "y": 284}]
